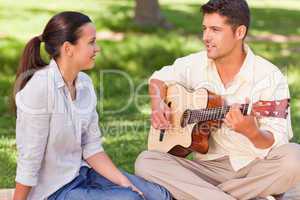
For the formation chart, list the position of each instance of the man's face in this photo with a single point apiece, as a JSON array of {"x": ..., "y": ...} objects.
[{"x": 218, "y": 36}]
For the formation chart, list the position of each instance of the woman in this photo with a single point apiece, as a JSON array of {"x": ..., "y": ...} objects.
[{"x": 60, "y": 156}]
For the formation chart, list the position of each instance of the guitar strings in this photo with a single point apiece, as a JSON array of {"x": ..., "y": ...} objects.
[{"x": 212, "y": 113}]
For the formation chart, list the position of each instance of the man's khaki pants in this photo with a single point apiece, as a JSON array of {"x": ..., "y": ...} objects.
[{"x": 216, "y": 180}]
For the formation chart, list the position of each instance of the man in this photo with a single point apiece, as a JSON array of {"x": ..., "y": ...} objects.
[{"x": 249, "y": 157}]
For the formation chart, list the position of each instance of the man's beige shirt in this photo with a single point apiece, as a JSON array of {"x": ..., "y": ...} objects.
[{"x": 257, "y": 80}]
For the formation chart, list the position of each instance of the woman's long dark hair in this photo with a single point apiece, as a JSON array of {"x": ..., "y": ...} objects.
[{"x": 64, "y": 26}]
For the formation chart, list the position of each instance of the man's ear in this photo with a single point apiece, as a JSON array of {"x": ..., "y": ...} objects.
[
  {"x": 67, "y": 49},
  {"x": 240, "y": 32}
]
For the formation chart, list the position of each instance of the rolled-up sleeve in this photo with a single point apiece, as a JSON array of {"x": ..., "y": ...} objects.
[
  {"x": 176, "y": 73},
  {"x": 280, "y": 127},
  {"x": 32, "y": 129},
  {"x": 31, "y": 136},
  {"x": 91, "y": 138},
  {"x": 91, "y": 141}
]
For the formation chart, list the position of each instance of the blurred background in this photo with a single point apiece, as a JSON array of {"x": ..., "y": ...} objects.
[{"x": 137, "y": 38}]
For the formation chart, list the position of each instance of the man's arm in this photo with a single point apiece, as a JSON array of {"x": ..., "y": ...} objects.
[
  {"x": 157, "y": 92},
  {"x": 247, "y": 126},
  {"x": 262, "y": 139},
  {"x": 179, "y": 72},
  {"x": 160, "y": 116}
]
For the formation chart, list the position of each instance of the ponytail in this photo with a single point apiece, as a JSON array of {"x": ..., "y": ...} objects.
[{"x": 30, "y": 62}]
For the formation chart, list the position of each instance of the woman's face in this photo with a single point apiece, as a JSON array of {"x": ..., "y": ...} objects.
[{"x": 85, "y": 49}]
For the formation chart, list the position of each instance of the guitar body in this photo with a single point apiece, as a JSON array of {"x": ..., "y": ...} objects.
[
  {"x": 181, "y": 141},
  {"x": 195, "y": 114}
]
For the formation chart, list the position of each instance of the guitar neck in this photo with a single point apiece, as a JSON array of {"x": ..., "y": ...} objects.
[{"x": 209, "y": 114}]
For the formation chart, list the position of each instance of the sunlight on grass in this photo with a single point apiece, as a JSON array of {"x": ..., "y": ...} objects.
[
  {"x": 286, "y": 4},
  {"x": 137, "y": 55},
  {"x": 8, "y": 162}
]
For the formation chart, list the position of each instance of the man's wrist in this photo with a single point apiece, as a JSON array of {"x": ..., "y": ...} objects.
[
  {"x": 156, "y": 103},
  {"x": 253, "y": 134}
]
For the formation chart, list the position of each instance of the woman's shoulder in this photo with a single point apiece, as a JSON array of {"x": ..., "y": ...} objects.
[
  {"x": 82, "y": 76},
  {"x": 34, "y": 97},
  {"x": 85, "y": 80}
]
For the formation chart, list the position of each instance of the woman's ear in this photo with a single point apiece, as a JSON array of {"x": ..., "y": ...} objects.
[
  {"x": 67, "y": 49},
  {"x": 240, "y": 32}
]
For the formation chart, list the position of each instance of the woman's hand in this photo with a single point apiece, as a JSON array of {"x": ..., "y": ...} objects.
[
  {"x": 102, "y": 164},
  {"x": 126, "y": 183}
]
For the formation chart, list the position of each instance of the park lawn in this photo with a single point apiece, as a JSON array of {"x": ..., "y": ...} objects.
[{"x": 137, "y": 55}]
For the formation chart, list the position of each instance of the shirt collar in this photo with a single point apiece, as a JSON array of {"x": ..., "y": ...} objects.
[
  {"x": 58, "y": 79},
  {"x": 246, "y": 71}
]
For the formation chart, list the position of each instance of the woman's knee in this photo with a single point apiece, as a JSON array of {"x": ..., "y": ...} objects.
[
  {"x": 150, "y": 189},
  {"x": 109, "y": 194},
  {"x": 126, "y": 194}
]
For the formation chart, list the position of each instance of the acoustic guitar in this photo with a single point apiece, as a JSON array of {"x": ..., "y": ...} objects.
[{"x": 195, "y": 114}]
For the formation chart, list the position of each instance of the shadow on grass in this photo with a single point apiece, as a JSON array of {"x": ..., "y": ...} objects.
[
  {"x": 271, "y": 20},
  {"x": 7, "y": 169},
  {"x": 124, "y": 151},
  {"x": 11, "y": 50},
  {"x": 143, "y": 51}
]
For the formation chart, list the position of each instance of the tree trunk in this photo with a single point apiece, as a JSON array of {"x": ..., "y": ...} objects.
[{"x": 147, "y": 13}]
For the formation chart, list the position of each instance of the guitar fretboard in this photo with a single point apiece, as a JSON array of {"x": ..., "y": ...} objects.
[{"x": 208, "y": 114}]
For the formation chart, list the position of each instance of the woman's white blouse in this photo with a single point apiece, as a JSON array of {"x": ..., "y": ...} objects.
[{"x": 54, "y": 134}]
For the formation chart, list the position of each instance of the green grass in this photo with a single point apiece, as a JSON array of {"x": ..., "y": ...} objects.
[{"x": 142, "y": 51}]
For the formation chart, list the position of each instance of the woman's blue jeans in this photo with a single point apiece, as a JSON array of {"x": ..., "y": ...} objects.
[{"x": 90, "y": 185}]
